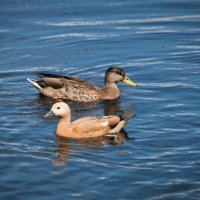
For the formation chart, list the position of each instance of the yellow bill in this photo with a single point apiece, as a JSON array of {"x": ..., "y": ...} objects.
[{"x": 128, "y": 81}]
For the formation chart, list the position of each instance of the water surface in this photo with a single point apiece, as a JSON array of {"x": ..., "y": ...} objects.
[{"x": 158, "y": 45}]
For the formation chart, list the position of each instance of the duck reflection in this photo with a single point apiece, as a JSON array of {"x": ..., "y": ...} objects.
[
  {"x": 84, "y": 109},
  {"x": 114, "y": 108},
  {"x": 65, "y": 145},
  {"x": 43, "y": 100}
]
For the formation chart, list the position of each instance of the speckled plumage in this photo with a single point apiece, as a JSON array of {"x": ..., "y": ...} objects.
[{"x": 77, "y": 89}]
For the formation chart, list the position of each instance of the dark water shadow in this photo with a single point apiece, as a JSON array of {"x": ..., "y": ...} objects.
[
  {"x": 43, "y": 100},
  {"x": 113, "y": 107},
  {"x": 117, "y": 107}
]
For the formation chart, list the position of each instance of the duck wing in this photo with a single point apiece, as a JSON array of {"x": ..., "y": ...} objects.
[
  {"x": 59, "y": 81},
  {"x": 91, "y": 127}
]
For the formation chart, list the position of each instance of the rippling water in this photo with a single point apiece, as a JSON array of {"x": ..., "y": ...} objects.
[{"x": 158, "y": 45}]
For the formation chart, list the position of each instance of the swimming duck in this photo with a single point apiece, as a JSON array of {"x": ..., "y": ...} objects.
[
  {"x": 87, "y": 127},
  {"x": 77, "y": 89}
]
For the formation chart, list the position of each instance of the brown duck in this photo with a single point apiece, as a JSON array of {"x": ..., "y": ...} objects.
[
  {"x": 87, "y": 127},
  {"x": 77, "y": 89}
]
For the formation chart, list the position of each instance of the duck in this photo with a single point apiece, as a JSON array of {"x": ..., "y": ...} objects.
[
  {"x": 77, "y": 89},
  {"x": 87, "y": 127}
]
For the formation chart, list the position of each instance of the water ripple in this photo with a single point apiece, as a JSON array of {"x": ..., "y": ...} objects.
[
  {"x": 121, "y": 21},
  {"x": 157, "y": 44}
]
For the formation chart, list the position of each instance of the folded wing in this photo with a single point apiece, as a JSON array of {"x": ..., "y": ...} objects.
[
  {"x": 58, "y": 81},
  {"x": 91, "y": 126}
]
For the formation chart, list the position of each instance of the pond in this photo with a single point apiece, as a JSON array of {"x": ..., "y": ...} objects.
[{"x": 157, "y": 43}]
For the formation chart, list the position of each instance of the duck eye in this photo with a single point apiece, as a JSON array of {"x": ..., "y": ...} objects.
[{"x": 58, "y": 108}]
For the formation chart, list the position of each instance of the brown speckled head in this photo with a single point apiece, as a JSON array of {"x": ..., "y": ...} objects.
[{"x": 114, "y": 74}]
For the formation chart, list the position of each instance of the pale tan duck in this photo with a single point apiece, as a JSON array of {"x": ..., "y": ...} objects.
[
  {"x": 88, "y": 127},
  {"x": 76, "y": 89}
]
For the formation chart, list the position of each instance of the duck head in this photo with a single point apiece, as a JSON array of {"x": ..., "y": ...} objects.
[
  {"x": 59, "y": 109},
  {"x": 116, "y": 74}
]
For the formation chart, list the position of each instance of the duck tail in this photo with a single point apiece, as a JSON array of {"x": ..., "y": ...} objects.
[
  {"x": 126, "y": 116},
  {"x": 34, "y": 83}
]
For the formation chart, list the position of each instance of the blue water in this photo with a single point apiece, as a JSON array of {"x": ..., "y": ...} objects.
[{"x": 158, "y": 45}]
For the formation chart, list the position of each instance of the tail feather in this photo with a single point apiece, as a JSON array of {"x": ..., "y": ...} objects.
[
  {"x": 126, "y": 116},
  {"x": 43, "y": 75},
  {"x": 34, "y": 83}
]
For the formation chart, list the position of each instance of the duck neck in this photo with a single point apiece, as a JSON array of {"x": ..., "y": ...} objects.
[
  {"x": 65, "y": 120},
  {"x": 63, "y": 126},
  {"x": 110, "y": 90}
]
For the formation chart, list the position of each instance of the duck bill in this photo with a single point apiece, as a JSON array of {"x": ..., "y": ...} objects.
[
  {"x": 128, "y": 81},
  {"x": 49, "y": 114}
]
